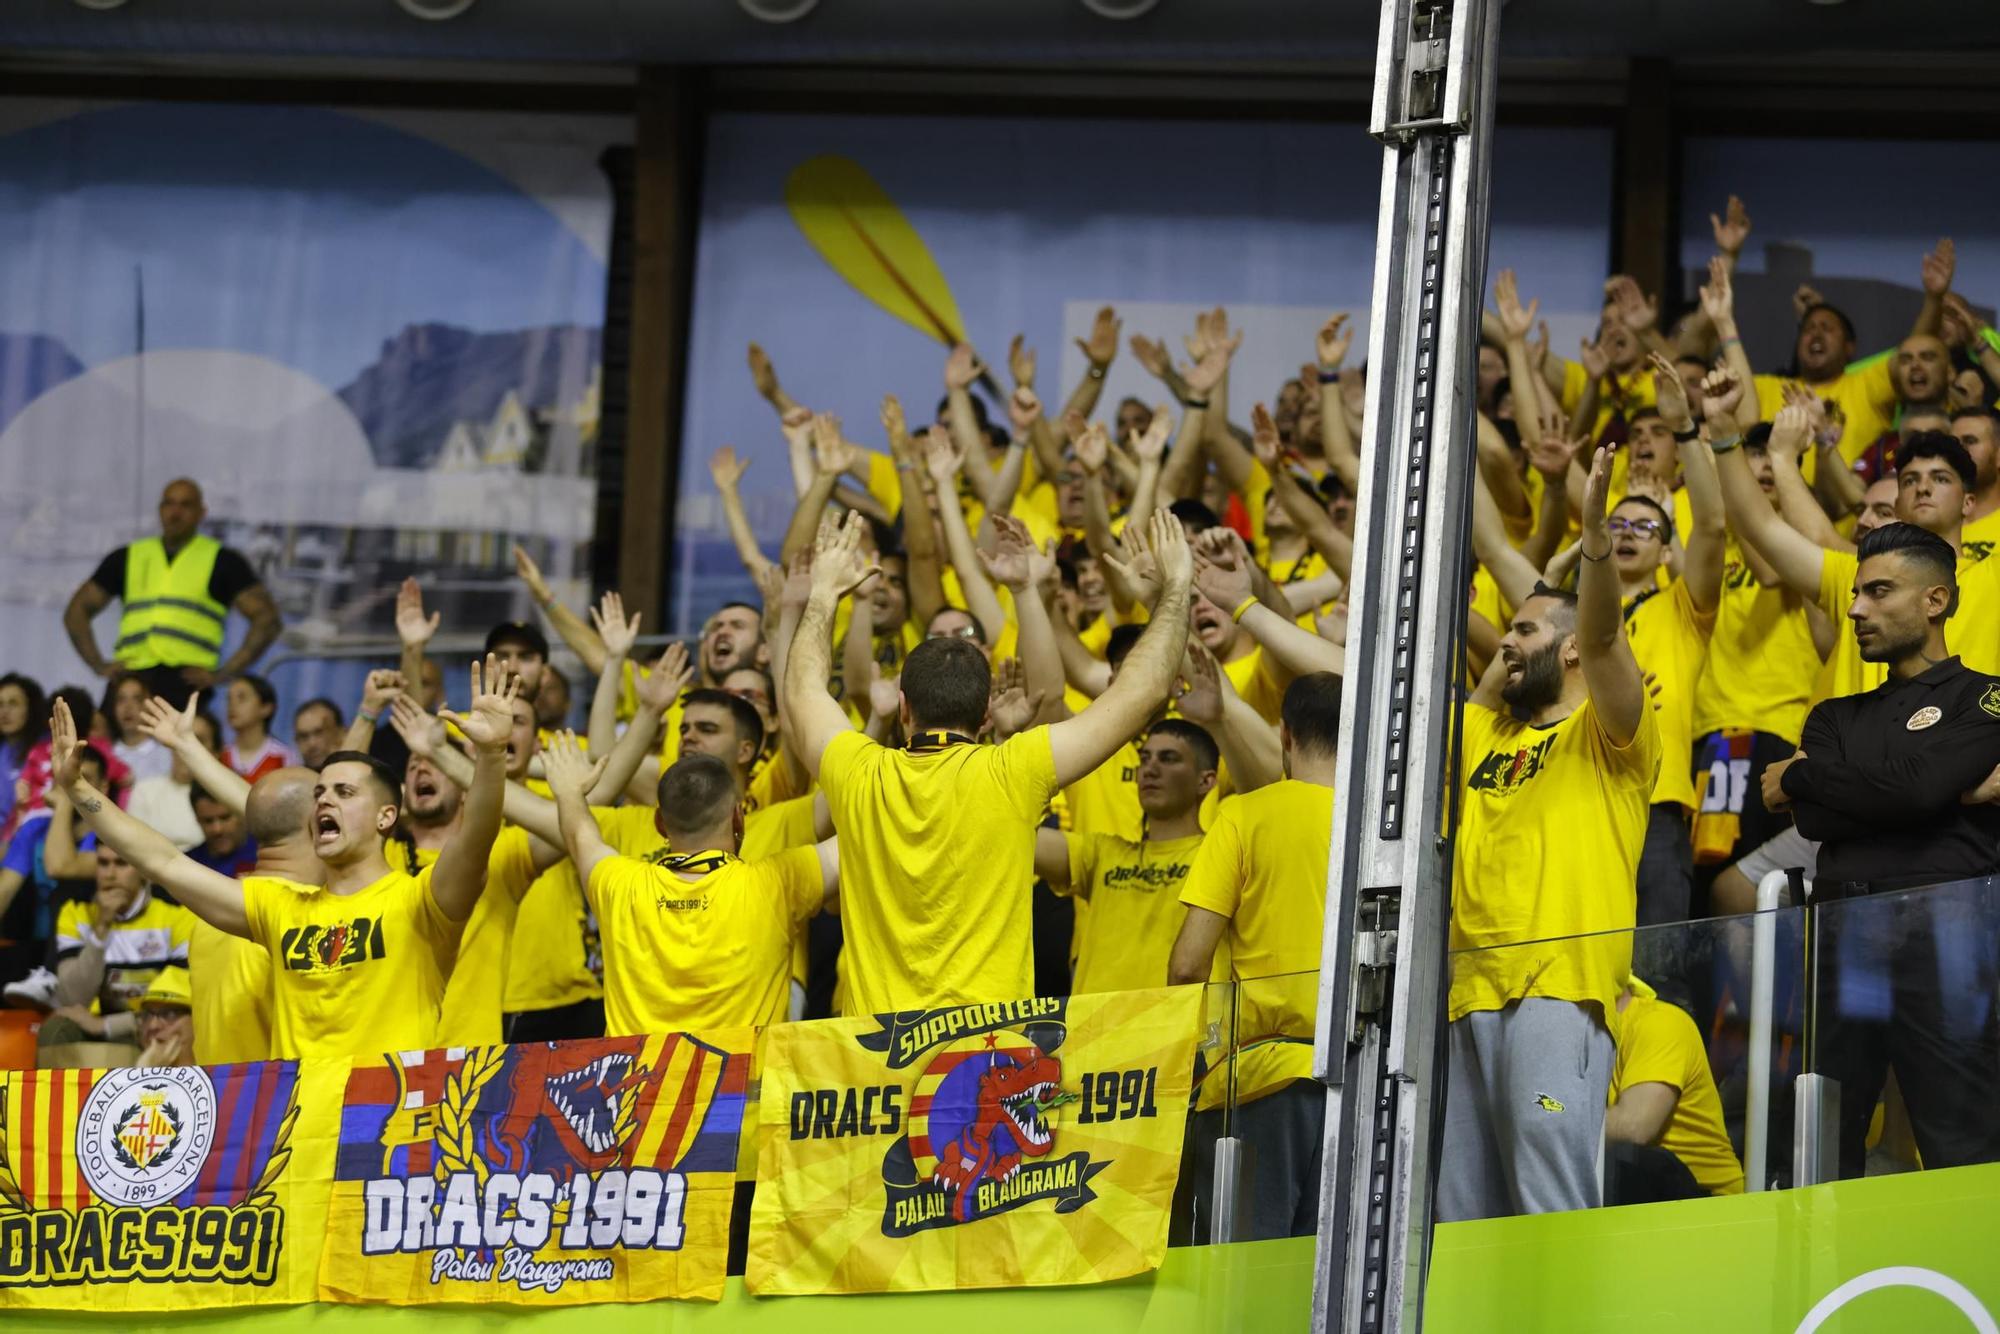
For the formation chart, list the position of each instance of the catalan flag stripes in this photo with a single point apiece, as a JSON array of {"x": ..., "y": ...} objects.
[{"x": 41, "y": 1111}]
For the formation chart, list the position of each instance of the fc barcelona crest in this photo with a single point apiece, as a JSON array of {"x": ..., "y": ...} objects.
[{"x": 144, "y": 1134}]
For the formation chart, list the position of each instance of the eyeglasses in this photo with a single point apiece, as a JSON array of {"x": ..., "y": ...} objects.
[
  {"x": 1642, "y": 527},
  {"x": 963, "y": 632}
]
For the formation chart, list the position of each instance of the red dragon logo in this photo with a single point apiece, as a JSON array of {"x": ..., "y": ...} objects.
[
  {"x": 1008, "y": 1120},
  {"x": 564, "y": 1106}
]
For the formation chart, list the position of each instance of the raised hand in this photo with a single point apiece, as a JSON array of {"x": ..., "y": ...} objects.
[
  {"x": 962, "y": 367},
  {"x": 1938, "y": 267},
  {"x": 1198, "y": 693},
  {"x": 169, "y": 726},
  {"x": 613, "y": 627},
  {"x": 1151, "y": 354},
  {"x": 1670, "y": 393},
  {"x": 894, "y": 427},
  {"x": 567, "y": 769},
  {"x": 1011, "y": 562},
  {"x": 1335, "y": 337},
  {"x": 942, "y": 457},
  {"x": 1732, "y": 227},
  {"x": 490, "y": 718},
  {"x": 1798, "y": 395},
  {"x": 65, "y": 747},
  {"x": 673, "y": 673},
  {"x": 1718, "y": 296},
  {"x": 1806, "y": 298},
  {"x": 1538, "y": 350},
  {"x": 1021, "y": 362},
  {"x": 1593, "y": 358},
  {"x": 1169, "y": 545},
  {"x": 1102, "y": 344},
  {"x": 380, "y": 690},
  {"x": 1151, "y": 444},
  {"x": 727, "y": 469},
  {"x": 1552, "y": 454},
  {"x": 1093, "y": 447},
  {"x": 414, "y": 629},
  {"x": 1596, "y": 492},
  {"x": 1791, "y": 427},
  {"x": 1010, "y": 708},
  {"x": 1222, "y": 578},
  {"x": 840, "y": 564},
  {"x": 525, "y": 570},
  {"x": 795, "y": 424},
  {"x": 763, "y": 375},
  {"x": 421, "y": 732},
  {"x": 797, "y": 590},
  {"x": 1206, "y": 373},
  {"x": 1023, "y": 410},
  {"x": 1636, "y": 311},
  {"x": 1515, "y": 320},
  {"x": 1959, "y": 322},
  {"x": 1042, "y": 570},
  {"x": 1720, "y": 393},
  {"x": 1264, "y": 437},
  {"x": 885, "y": 693},
  {"x": 1136, "y": 566},
  {"x": 831, "y": 453}
]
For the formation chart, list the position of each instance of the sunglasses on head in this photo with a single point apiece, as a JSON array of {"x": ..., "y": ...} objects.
[{"x": 963, "y": 632}]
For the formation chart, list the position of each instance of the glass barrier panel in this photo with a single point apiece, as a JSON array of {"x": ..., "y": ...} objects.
[
  {"x": 1259, "y": 1117},
  {"x": 1622, "y": 1067},
  {"x": 1903, "y": 1034}
]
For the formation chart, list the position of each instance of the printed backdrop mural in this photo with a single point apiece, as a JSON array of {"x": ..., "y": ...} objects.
[
  {"x": 373, "y": 338},
  {"x": 1005, "y": 226}
]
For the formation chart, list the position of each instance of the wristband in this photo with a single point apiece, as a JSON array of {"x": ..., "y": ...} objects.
[
  {"x": 1330, "y": 377},
  {"x": 1724, "y": 445},
  {"x": 1243, "y": 606},
  {"x": 1731, "y": 339},
  {"x": 1195, "y": 403},
  {"x": 1095, "y": 372},
  {"x": 1587, "y": 556},
  {"x": 1691, "y": 433}
]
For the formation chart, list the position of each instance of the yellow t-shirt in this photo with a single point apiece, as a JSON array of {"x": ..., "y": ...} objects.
[
  {"x": 1133, "y": 889},
  {"x": 1973, "y": 632},
  {"x": 476, "y": 990},
  {"x": 706, "y": 953},
  {"x": 1761, "y": 658},
  {"x": 230, "y": 978},
  {"x": 1263, "y": 866},
  {"x": 1659, "y": 1044},
  {"x": 937, "y": 861},
  {"x": 1978, "y": 538},
  {"x": 1864, "y": 395},
  {"x": 359, "y": 974},
  {"x": 1548, "y": 848},
  {"x": 1256, "y": 680},
  {"x": 1670, "y": 640}
]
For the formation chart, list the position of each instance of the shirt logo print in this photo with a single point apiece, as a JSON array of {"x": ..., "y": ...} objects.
[
  {"x": 1505, "y": 772},
  {"x": 328, "y": 948},
  {"x": 1924, "y": 717},
  {"x": 1990, "y": 701}
]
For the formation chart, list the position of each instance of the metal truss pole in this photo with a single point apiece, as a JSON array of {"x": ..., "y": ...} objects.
[{"x": 1379, "y": 1046}]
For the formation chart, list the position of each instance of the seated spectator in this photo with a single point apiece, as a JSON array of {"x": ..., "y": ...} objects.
[
  {"x": 166, "y": 1020},
  {"x": 124, "y": 703},
  {"x": 317, "y": 728},
  {"x": 167, "y": 804},
  {"x": 1664, "y": 1102},
  {"x": 33, "y": 891},
  {"x": 224, "y": 847},
  {"x": 24, "y": 721},
  {"x": 109, "y": 948}
]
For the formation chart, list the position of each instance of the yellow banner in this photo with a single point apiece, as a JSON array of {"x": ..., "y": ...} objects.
[
  {"x": 165, "y": 1189},
  {"x": 539, "y": 1174},
  {"x": 1030, "y": 1142}
]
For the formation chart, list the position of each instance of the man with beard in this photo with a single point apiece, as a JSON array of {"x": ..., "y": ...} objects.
[
  {"x": 1668, "y": 627},
  {"x": 1561, "y": 753},
  {"x": 1978, "y": 429},
  {"x": 1899, "y": 786}
]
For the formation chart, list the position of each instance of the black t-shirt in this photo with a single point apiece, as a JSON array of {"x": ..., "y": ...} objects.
[{"x": 231, "y": 576}]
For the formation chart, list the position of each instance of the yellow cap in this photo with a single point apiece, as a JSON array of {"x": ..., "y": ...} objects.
[{"x": 169, "y": 988}]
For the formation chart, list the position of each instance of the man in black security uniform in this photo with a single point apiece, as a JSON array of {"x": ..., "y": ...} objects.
[{"x": 1899, "y": 784}]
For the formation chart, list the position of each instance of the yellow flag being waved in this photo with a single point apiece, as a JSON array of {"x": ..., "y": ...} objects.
[
  {"x": 861, "y": 233},
  {"x": 1022, "y": 1143}
]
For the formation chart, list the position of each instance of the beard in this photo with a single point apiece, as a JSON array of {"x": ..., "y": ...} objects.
[{"x": 1541, "y": 681}]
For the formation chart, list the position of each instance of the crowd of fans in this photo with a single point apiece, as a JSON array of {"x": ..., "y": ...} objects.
[{"x": 1035, "y": 703}]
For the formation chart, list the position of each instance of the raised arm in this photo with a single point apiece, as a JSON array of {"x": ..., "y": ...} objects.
[
  {"x": 381, "y": 687},
  {"x": 1016, "y": 563},
  {"x": 459, "y": 874},
  {"x": 1099, "y": 349},
  {"x": 830, "y": 459},
  {"x": 1718, "y": 304},
  {"x": 1938, "y": 267},
  {"x": 618, "y": 633},
  {"x": 569, "y": 627},
  {"x": 215, "y": 898},
  {"x": 1147, "y": 676},
  {"x": 727, "y": 471},
  {"x": 1796, "y": 558},
  {"x": 174, "y": 729},
  {"x": 1150, "y": 446},
  {"x": 1509, "y": 568},
  {"x": 941, "y": 457},
  {"x": 1617, "y": 690},
  {"x": 570, "y": 775},
  {"x": 1701, "y": 565},
  {"x": 839, "y": 566},
  {"x": 1336, "y": 437},
  {"x": 961, "y": 368},
  {"x": 923, "y": 580},
  {"x": 1321, "y": 534},
  {"x": 1251, "y": 753}
]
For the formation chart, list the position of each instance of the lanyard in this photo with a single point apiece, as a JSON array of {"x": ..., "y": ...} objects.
[
  {"x": 697, "y": 863},
  {"x": 1638, "y": 602}
]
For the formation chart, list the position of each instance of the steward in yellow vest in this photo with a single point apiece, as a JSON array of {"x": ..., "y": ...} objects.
[{"x": 170, "y": 620}]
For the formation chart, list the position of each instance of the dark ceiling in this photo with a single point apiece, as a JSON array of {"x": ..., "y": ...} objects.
[{"x": 969, "y": 33}]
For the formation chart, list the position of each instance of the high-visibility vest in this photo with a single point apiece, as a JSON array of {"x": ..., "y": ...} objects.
[{"x": 170, "y": 620}]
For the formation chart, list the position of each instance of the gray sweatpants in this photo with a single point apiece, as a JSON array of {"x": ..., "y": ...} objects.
[{"x": 1524, "y": 1111}]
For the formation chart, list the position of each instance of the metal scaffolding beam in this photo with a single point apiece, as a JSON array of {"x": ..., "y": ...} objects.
[{"x": 1382, "y": 977}]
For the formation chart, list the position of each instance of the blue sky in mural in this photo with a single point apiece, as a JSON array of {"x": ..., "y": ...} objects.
[{"x": 298, "y": 204}]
